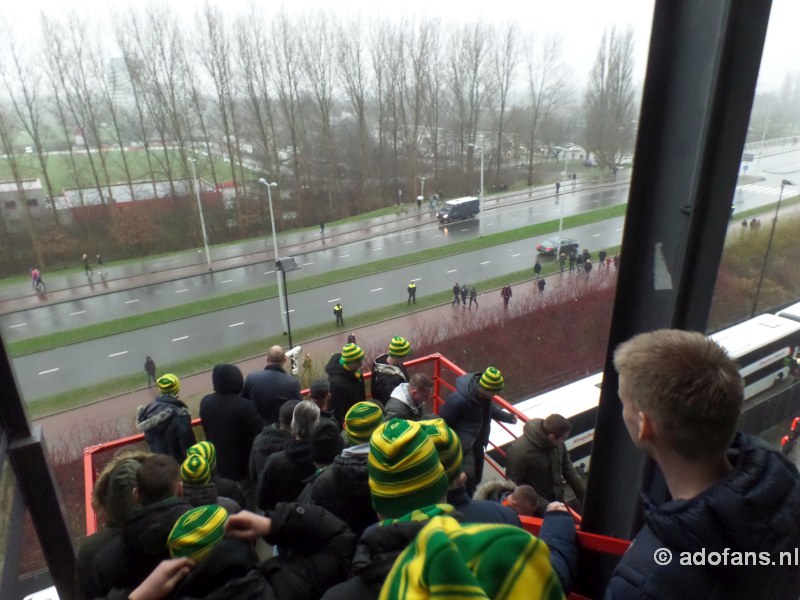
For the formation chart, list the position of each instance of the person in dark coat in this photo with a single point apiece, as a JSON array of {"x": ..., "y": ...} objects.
[
  {"x": 128, "y": 559},
  {"x": 272, "y": 439},
  {"x": 271, "y": 387},
  {"x": 537, "y": 269},
  {"x": 166, "y": 422},
  {"x": 320, "y": 394},
  {"x": 282, "y": 478},
  {"x": 469, "y": 411},
  {"x": 732, "y": 496},
  {"x": 456, "y": 294},
  {"x": 539, "y": 458},
  {"x": 230, "y": 422},
  {"x": 344, "y": 377},
  {"x": 150, "y": 369},
  {"x": 338, "y": 311},
  {"x": 388, "y": 370},
  {"x": 408, "y": 399},
  {"x": 506, "y": 294},
  {"x": 540, "y": 284}
]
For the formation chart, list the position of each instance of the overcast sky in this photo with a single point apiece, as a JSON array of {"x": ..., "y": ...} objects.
[{"x": 580, "y": 22}]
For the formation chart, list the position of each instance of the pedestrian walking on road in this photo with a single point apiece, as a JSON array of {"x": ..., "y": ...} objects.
[
  {"x": 150, "y": 369},
  {"x": 537, "y": 268},
  {"x": 587, "y": 266},
  {"x": 572, "y": 260},
  {"x": 87, "y": 268},
  {"x": 561, "y": 260},
  {"x": 412, "y": 293},
  {"x": 322, "y": 228},
  {"x": 558, "y": 187},
  {"x": 540, "y": 284},
  {"x": 602, "y": 255},
  {"x": 337, "y": 311},
  {"x": 464, "y": 293},
  {"x": 506, "y": 294},
  {"x": 36, "y": 280},
  {"x": 456, "y": 293},
  {"x": 101, "y": 267},
  {"x": 473, "y": 297}
]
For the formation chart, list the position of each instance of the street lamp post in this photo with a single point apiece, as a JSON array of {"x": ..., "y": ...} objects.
[
  {"x": 422, "y": 187},
  {"x": 192, "y": 162},
  {"x": 281, "y": 298},
  {"x": 784, "y": 183},
  {"x": 479, "y": 148}
]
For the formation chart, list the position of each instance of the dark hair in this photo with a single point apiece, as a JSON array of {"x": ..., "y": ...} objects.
[
  {"x": 420, "y": 381},
  {"x": 319, "y": 389},
  {"x": 527, "y": 499},
  {"x": 556, "y": 425},
  {"x": 157, "y": 478}
]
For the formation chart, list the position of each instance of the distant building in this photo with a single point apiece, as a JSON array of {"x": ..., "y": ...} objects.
[{"x": 17, "y": 200}]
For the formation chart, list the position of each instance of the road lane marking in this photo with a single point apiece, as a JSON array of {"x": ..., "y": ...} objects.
[
  {"x": 465, "y": 229},
  {"x": 268, "y": 272},
  {"x": 334, "y": 300},
  {"x": 438, "y": 235},
  {"x": 48, "y": 371},
  {"x": 596, "y": 235},
  {"x": 486, "y": 262},
  {"x": 376, "y": 249},
  {"x": 376, "y": 290},
  {"x": 131, "y": 301},
  {"x": 237, "y": 324},
  {"x": 117, "y": 354},
  {"x": 80, "y": 312},
  {"x": 452, "y": 271},
  {"x": 183, "y": 290},
  {"x": 17, "y": 325},
  {"x": 227, "y": 281},
  {"x": 290, "y": 311},
  {"x": 619, "y": 229},
  {"x": 409, "y": 242},
  {"x": 308, "y": 264},
  {"x": 515, "y": 255},
  {"x": 178, "y": 339},
  {"x": 343, "y": 255},
  {"x": 417, "y": 279}
]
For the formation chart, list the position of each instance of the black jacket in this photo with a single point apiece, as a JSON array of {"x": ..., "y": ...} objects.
[
  {"x": 230, "y": 422},
  {"x": 754, "y": 509},
  {"x": 343, "y": 489},
  {"x": 272, "y": 439},
  {"x": 201, "y": 494},
  {"x": 283, "y": 475},
  {"x": 167, "y": 427},
  {"x": 481, "y": 511},
  {"x": 129, "y": 559},
  {"x": 347, "y": 387},
  {"x": 385, "y": 378},
  {"x": 269, "y": 389}
]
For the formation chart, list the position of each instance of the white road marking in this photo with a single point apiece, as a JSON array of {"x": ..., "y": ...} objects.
[
  {"x": 376, "y": 290},
  {"x": 409, "y": 242},
  {"x": 334, "y": 300},
  {"x": 181, "y": 291},
  {"x": 17, "y": 325},
  {"x": 376, "y": 249},
  {"x": 465, "y": 229},
  {"x": 80, "y": 312},
  {"x": 490, "y": 225},
  {"x": 596, "y": 235},
  {"x": 619, "y": 229},
  {"x": 452, "y": 271},
  {"x": 438, "y": 235},
  {"x": 185, "y": 337},
  {"x": 515, "y": 255},
  {"x": 236, "y": 324},
  {"x": 117, "y": 354},
  {"x": 486, "y": 262},
  {"x": 131, "y": 301},
  {"x": 268, "y": 272},
  {"x": 417, "y": 279},
  {"x": 290, "y": 311},
  {"x": 343, "y": 255},
  {"x": 227, "y": 281},
  {"x": 48, "y": 371},
  {"x": 308, "y": 264}
]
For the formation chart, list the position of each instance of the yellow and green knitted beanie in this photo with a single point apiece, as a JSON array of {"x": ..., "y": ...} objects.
[
  {"x": 207, "y": 451},
  {"x": 351, "y": 353},
  {"x": 491, "y": 380},
  {"x": 399, "y": 347},
  {"x": 361, "y": 420},
  {"x": 448, "y": 445},
  {"x": 169, "y": 384},
  {"x": 195, "y": 469},
  {"x": 404, "y": 469},
  {"x": 197, "y": 531}
]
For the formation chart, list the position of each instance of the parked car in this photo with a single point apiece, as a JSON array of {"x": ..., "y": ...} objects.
[
  {"x": 460, "y": 208},
  {"x": 553, "y": 247}
]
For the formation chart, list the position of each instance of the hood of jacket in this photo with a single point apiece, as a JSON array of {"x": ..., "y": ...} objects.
[
  {"x": 756, "y": 507},
  {"x": 466, "y": 384},
  {"x": 533, "y": 431},
  {"x": 200, "y": 494},
  {"x": 494, "y": 490},
  {"x": 299, "y": 451},
  {"x": 221, "y": 573},
  {"x": 227, "y": 379},
  {"x": 384, "y": 368},
  {"x": 157, "y": 412},
  {"x": 148, "y": 529},
  {"x": 335, "y": 368},
  {"x": 401, "y": 393}
]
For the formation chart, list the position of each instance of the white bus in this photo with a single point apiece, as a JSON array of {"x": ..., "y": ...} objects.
[{"x": 760, "y": 346}]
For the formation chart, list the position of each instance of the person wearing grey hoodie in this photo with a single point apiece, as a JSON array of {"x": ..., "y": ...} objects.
[{"x": 407, "y": 400}]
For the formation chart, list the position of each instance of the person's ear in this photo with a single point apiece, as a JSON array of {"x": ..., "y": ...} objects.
[
  {"x": 135, "y": 495},
  {"x": 179, "y": 489},
  {"x": 646, "y": 427},
  {"x": 462, "y": 478}
]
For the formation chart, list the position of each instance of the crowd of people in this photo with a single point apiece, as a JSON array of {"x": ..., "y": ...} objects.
[{"x": 373, "y": 496}]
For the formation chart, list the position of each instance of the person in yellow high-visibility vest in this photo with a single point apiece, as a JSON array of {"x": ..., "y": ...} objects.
[{"x": 412, "y": 293}]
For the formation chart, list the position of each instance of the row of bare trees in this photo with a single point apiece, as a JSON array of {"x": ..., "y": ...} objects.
[{"x": 346, "y": 115}]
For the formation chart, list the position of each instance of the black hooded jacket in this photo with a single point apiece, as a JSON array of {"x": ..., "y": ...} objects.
[
  {"x": 347, "y": 387},
  {"x": 386, "y": 377},
  {"x": 167, "y": 426},
  {"x": 230, "y": 422},
  {"x": 283, "y": 474},
  {"x": 272, "y": 439},
  {"x": 754, "y": 509}
]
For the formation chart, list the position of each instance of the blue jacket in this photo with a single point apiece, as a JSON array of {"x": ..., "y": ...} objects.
[
  {"x": 481, "y": 511},
  {"x": 755, "y": 509},
  {"x": 269, "y": 389}
]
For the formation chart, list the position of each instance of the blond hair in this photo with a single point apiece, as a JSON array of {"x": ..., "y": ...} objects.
[{"x": 689, "y": 386}]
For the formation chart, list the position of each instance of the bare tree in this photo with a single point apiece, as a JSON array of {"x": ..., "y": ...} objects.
[
  {"x": 505, "y": 60},
  {"x": 548, "y": 88},
  {"x": 610, "y": 108}
]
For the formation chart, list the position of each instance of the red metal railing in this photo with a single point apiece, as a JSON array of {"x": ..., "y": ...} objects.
[{"x": 444, "y": 373}]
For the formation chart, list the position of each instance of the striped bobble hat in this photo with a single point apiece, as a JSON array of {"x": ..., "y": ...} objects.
[
  {"x": 197, "y": 531},
  {"x": 492, "y": 380},
  {"x": 404, "y": 469},
  {"x": 447, "y": 445},
  {"x": 361, "y": 420},
  {"x": 399, "y": 347},
  {"x": 169, "y": 384},
  {"x": 207, "y": 451},
  {"x": 195, "y": 469},
  {"x": 478, "y": 560},
  {"x": 351, "y": 353}
]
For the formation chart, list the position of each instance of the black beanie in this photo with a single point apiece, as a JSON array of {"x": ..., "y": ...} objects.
[{"x": 326, "y": 442}]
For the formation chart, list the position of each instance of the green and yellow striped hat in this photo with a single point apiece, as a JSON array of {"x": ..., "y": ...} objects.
[
  {"x": 207, "y": 451},
  {"x": 351, "y": 353},
  {"x": 399, "y": 347},
  {"x": 448, "y": 445},
  {"x": 404, "y": 469},
  {"x": 196, "y": 532},
  {"x": 361, "y": 420},
  {"x": 169, "y": 384},
  {"x": 195, "y": 469},
  {"x": 492, "y": 380},
  {"x": 450, "y": 560}
]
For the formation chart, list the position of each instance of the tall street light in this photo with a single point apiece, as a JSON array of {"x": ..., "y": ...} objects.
[
  {"x": 422, "y": 187},
  {"x": 192, "y": 162},
  {"x": 480, "y": 149},
  {"x": 281, "y": 298},
  {"x": 784, "y": 183}
]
